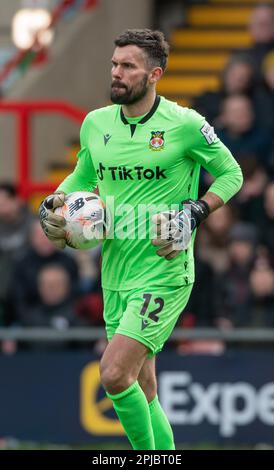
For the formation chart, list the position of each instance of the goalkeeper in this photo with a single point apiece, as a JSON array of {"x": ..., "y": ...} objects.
[{"x": 147, "y": 150}]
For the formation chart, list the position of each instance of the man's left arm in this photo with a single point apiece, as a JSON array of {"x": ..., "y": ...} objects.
[
  {"x": 207, "y": 149},
  {"x": 204, "y": 147}
]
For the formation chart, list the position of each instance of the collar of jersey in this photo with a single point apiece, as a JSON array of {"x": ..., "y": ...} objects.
[{"x": 141, "y": 119}]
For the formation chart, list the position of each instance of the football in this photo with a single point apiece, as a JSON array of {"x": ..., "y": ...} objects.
[{"x": 85, "y": 216}]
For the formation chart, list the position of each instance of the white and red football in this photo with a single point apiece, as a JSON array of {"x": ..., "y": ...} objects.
[{"x": 85, "y": 217}]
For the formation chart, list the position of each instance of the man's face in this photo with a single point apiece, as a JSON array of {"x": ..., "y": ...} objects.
[
  {"x": 262, "y": 25},
  {"x": 53, "y": 285},
  {"x": 9, "y": 207},
  {"x": 130, "y": 75},
  {"x": 269, "y": 77},
  {"x": 238, "y": 78},
  {"x": 238, "y": 116}
]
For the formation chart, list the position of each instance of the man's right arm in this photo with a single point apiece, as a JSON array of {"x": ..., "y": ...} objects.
[{"x": 83, "y": 178}]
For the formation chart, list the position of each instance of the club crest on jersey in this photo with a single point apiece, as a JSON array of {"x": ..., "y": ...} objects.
[{"x": 157, "y": 141}]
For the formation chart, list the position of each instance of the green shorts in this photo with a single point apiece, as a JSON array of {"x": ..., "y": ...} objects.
[{"x": 148, "y": 316}]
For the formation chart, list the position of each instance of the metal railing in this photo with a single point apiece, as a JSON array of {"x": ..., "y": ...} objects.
[{"x": 242, "y": 335}]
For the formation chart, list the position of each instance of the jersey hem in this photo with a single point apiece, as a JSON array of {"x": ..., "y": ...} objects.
[{"x": 144, "y": 286}]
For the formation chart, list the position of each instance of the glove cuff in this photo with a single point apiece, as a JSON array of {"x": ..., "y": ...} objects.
[
  {"x": 205, "y": 211},
  {"x": 199, "y": 210}
]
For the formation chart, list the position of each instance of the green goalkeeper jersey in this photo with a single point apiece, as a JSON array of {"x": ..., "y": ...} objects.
[{"x": 143, "y": 165}]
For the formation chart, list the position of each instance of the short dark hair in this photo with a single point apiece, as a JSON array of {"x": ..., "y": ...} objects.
[
  {"x": 8, "y": 188},
  {"x": 152, "y": 42}
]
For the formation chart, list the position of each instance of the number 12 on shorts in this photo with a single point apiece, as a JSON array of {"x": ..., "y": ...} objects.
[{"x": 154, "y": 314}]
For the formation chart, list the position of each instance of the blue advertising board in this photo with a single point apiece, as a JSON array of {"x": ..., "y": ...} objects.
[{"x": 56, "y": 397}]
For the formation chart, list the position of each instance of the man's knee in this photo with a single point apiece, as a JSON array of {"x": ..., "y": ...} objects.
[
  {"x": 114, "y": 379},
  {"x": 121, "y": 363}
]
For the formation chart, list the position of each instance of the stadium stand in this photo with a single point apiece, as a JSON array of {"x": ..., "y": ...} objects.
[{"x": 201, "y": 49}]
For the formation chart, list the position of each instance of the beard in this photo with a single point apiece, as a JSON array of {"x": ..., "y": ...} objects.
[{"x": 122, "y": 94}]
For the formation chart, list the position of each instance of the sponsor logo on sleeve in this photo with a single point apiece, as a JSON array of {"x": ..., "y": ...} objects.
[{"x": 208, "y": 132}]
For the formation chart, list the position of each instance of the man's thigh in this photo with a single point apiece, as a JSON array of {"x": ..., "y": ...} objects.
[
  {"x": 114, "y": 307},
  {"x": 125, "y": 355}
]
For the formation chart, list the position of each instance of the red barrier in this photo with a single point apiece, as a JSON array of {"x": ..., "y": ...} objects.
[{"x": 24, "y": 111}]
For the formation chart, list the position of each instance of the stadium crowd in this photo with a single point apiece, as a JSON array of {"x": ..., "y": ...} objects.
[{"x": 41, "y": 286}]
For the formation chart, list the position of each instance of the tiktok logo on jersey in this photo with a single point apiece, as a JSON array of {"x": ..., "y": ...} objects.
[{"x": 122, "y": 173}]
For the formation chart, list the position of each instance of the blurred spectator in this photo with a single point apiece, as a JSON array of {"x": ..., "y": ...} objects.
[
  {"x": 265, "y": 94},
  {"x": 237, "y": 78},
  {"x": 268, "y": 69},
  {"x": 200, "y": 312},
  {"x": 15, "y": 223},
  {"x": 262, "y": 32},
  {"x": 55, "y": 303},
  {"x": 233, "y": 295},
  {"x": 90, "y": 308},
  {"x": 201, "y": 302},
  {"x": 168, "y": 15},
  {"x": 212, "y": 238},
  {"x": 88, "y": 262},
  {"x": 90, "y": 302},
  {"x": 239, "y": 133},
  {"x": 250, "y": 199},
  {"x": 266, "y": 219},
  {"x": 262, "y": 291},
  {"x": 23, "y": 288}
]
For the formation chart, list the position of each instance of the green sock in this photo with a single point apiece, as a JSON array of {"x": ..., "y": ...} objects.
[
  {"x": 132, "y": 409},
  {"x": 163, "y": 434}
]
